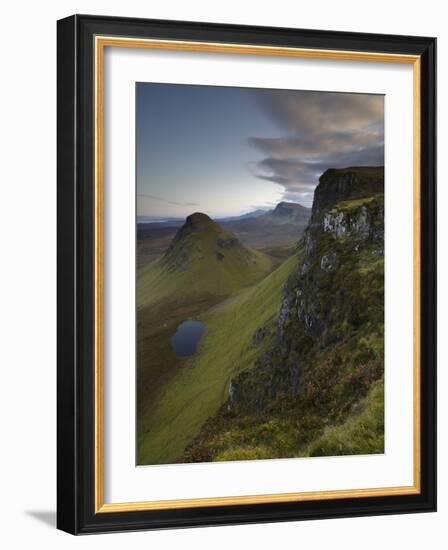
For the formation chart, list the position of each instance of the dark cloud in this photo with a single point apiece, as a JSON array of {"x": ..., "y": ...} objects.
[{"x": 322, "y": 130}]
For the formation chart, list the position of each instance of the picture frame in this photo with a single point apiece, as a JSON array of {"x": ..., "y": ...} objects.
[{"x": 82, "y": 43}]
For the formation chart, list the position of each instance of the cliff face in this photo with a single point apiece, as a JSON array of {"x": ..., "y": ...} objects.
[
  {"x": 335, "y": 295},
  {"x": 336, "y": 185},
  {"x": 317, "y": 390}
]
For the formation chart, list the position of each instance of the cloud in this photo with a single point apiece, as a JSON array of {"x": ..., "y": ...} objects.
[
  {"x": 161, "y": 199},
  {"x": 321, "y": 130}
]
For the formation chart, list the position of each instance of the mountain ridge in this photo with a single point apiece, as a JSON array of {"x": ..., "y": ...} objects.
[
  {"x": 324, "y": 365},
  {"x": 282, "y": 225},
  {"x": 279, "y": 227},
  {"x": 202, "y": 258}
]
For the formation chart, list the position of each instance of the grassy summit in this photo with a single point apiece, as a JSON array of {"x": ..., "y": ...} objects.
[{"x": 202, "y": 260}]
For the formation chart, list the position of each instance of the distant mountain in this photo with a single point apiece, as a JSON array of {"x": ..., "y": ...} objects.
[
  {"x": 202, "y": 259},
  {"x": 253, "y": 214},
  {"x": 278, "y": 227},
  {"x": 289, "y": 212}
]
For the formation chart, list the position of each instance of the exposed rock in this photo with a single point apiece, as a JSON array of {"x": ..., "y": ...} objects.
[
  {"x": 200, "y": 240},
  {"x": 232, "y": 392},
  {"x": 357, "y": 224},
  {"x": 328, "y": 261},
  {"x": 337, "y": 185},
  {"x": 259, "y": 335},
  {"x": 285, "y": 310},
  {"x": 319, "y": 307}
]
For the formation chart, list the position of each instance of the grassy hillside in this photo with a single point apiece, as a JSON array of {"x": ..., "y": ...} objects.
[
  {"x": 202, "y": 266},
  {"x": 318, "y": 390},
  {"x": 237, "y": 332},
  {"x": 206, "y": 277},
  {"x": 202, "y": 260},
  {"x": 292, "y": 361},
  {"x": 280, "y": 227},
  {"x": 288, "y": 429},
  {"x": 361, "y": 433}
]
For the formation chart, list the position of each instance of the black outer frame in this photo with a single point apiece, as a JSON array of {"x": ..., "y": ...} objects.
[{"x": 75, "y": 310}]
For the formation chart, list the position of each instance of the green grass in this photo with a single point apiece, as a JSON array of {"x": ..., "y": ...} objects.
[
  {"x": 200, "y": 385},
  {"x": 289, "y": 429},
  {"x": 327, "y": 418},
  {"x": 281, "y": 252},
  {"x": 354, "y": 204},
  {"x": 338, "y": 405},
  {"x": 207, "y": 277},
  {"x": 361, "y": 434},
  {"x": 199, "y": 265},
  {"x": 202, "y": 267},
  {"x": 261, "y": 438}
]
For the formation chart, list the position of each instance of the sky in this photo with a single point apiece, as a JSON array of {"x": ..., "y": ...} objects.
[{"x": 227, "y": 151}]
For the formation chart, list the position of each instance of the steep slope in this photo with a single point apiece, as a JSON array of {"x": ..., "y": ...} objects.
[
  {"x": 317, "y": 390},
  {"x": 202, "y": 266},
  {"x": 238, "y": 331},
  {"x": 202, "y": 259},
  {"x": 270, "y": 231}
]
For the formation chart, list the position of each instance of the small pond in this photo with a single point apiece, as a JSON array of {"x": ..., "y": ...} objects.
[{"x": 186, "y": 339}]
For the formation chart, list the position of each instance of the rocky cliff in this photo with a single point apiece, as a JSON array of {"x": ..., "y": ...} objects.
[
  {"x": 337, "y": 289},
  {"x": 328, "y": 350}
]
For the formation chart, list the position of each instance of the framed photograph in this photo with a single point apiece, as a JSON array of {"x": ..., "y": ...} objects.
[{"x": 246, "y": 274}]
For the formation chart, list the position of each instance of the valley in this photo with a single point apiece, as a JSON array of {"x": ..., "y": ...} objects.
[
  {"x": 290, "y": 303},
  {"x": 202, "y": 266}
]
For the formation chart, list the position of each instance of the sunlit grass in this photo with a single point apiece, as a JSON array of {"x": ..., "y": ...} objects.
[{"x": 200, "y": 386}]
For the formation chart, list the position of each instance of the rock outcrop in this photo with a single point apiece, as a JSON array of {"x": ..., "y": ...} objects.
[
  {"x": 289, "y": 212},
  {"x": 334, "y": 298},
  {"x": 201, "y": 239}
]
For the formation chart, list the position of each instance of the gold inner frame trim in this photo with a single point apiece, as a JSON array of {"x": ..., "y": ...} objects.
[{"x": 101, "y": 42}]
